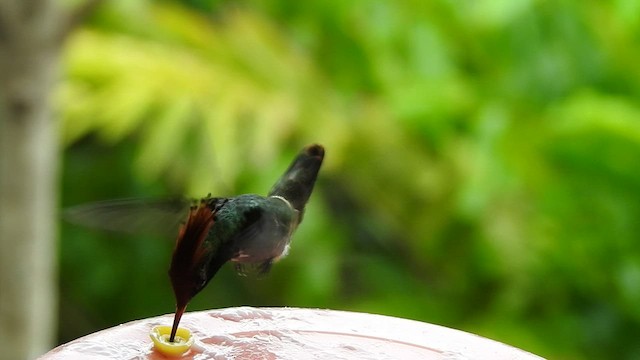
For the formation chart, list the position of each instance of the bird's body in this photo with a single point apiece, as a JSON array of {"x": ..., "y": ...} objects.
[
  {"x": 272, "y": 221},
  {"x": 250, "y": 230}
]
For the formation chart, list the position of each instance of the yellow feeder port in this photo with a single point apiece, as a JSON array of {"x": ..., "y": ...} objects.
[{"x": 160, "y": 336}]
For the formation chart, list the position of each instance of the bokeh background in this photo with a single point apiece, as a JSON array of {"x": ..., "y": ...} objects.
[{"x": 482, "y": 169}]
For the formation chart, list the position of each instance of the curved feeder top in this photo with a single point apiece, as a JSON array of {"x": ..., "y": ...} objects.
[{"x": 288, "y": 333}]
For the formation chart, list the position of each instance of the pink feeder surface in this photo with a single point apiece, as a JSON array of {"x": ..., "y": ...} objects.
[{"x": 290, "y": 333}]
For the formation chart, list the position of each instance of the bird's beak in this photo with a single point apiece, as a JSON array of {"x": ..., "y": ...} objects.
[{"x": 176, "y": 320}]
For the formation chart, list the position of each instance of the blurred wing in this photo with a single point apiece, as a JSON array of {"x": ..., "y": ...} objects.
[
  {"x": 133, "y": 216},
  {"x": 258, "y": 270},
  {"x": 254, "y": 228}
]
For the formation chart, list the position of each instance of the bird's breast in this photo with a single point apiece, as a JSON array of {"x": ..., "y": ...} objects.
[{"x": 272, "y": 242}]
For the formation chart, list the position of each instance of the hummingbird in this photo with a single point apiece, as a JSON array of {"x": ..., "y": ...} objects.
[{"x": 250, "y": 230}]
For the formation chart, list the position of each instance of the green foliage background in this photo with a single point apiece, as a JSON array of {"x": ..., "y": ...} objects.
[{"x": 482, "y": 166}]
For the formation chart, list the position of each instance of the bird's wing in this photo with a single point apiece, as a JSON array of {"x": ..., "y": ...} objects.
[
  {"x": 253, "y": 246},
  {"x": 133, "y": 216},
  {"x": 254, "y": 269}
]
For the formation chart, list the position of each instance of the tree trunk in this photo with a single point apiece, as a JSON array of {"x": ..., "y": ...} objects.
[
  {"x": 31, "y": 38},
  {"x": 28, "y": 178}
]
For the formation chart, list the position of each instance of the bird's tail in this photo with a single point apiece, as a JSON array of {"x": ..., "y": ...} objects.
[{"x": 297, "y": 182}]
